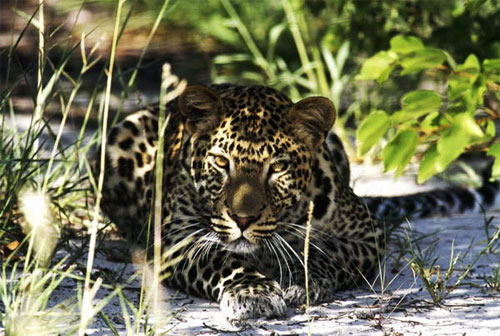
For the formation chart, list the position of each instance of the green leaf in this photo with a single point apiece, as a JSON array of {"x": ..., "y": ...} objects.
[
  {"x": 475, "y": 99},
  {"x": 458, "y": 86},
  {"x": 417, "y": 103},
  {"x": 474, "y": 5},
  {"x": 422, "y": 59},
  {"x": 228, "y": 59},
  {"x": 342, "y": 55},
  {"x": 491, "y": 68},
  {"x": 428, "y": 167},
  {"x": 466, "y": 84},
  {"x": 399, "y": 151},
  {"x": 495, "y": 152},
  {"x": 450, "y": 60},
  {"x": 378, "y": 66},
  {"x": 462, "y": 132},
  {"x": 450, "y": 145},
  {"x": 435, "y": 162},
  {"x": 429, "y": 123},
  {"x": 470, "y": 67},
  {"x": 371, "y": 130},
  {"x": 468, "y": 126},
  {"x": 273, "y": 37},
  {"x": 421, "y": 99},
  {"x": 491, "y": 65},
  {"x": 406, "y": 44},
  {"x": 490, "y": 130}
]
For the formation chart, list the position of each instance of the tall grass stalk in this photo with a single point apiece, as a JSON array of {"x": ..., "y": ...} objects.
[
  {"x": 307, "y": 240},
  {"x": 260, "y": 60},
  {"x": 159, "y": 17},
  {"x": 24, "y": 165},
  {"x": 62, "y": 124},
  {"x": 40, "y": 99},
  {"x": 439, "y": 284},
  {"x": 494, "y": 239},
  {"x": 26, "y": 294},
  {"x": 87, "y": 295},
  {"x": 26, "y": 297},
  {"x": 299, "y": 41},
  {"x": 169, "y": 81},
  {"x": 158, "y": 201}
]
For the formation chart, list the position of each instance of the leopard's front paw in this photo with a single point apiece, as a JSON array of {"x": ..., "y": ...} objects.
[
  {"x": 296, "y": 295},
  {"x": 263, "y": 299}
]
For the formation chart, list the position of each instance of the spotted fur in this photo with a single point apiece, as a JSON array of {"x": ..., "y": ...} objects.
[{"x": 242, "y": 165}]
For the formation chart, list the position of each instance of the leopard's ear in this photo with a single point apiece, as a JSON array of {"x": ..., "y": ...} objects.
[
  {"x": 201, "y": 108},
  {"x": 311, "y": 119}
]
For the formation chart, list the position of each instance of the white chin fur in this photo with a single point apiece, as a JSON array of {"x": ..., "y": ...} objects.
[{"x": 241, "y": 246}]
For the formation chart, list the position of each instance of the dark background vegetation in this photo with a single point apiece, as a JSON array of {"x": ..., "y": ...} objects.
[{"x": 194, "y": 32}]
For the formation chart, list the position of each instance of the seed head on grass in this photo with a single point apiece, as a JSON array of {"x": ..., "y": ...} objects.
[
  {"x": 54, "y": 321},
  {"x": 306, "y": 250},
  {"x": 307, "y": 241},
  {"x": 26, "y": 296},
  {"x": 39, "y": 224}
]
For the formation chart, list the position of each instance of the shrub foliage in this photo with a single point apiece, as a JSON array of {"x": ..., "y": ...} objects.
[{"x": 445, "y": 121}]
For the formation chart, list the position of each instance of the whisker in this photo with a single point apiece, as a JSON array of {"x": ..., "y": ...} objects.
[
  {"x": 200, "y": 246},
  {"x": 284, "y": 244},
  {"x": 280, "y": 250},
  {"x": 183, "y": 228},
  {"x": 182, "y": 219},
  {"x": 283, "y": 251},
  {"x": 211, "y": 240},
  {"x": 271, "y": 248},
  {"x": 311, "y": 242},
  {"x": 299, "y": 227},
  {"x": 288, "y": 260},
  {"x": 189, "y": 247}
]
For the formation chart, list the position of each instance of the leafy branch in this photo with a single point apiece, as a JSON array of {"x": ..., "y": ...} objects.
[{"x": 448, "y": 123}]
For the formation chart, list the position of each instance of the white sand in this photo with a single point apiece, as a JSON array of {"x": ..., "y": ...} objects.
[{"x": 402, "y": 307}]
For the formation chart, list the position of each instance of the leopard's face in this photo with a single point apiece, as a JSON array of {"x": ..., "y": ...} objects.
[
  {"x": 250, "y": 165},
  {"x": 249, "y": 180}
]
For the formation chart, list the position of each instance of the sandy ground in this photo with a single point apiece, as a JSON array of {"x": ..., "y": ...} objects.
[{"x": 397, "y": 305}]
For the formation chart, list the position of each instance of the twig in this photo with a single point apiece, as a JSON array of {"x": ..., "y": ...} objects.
[{"x": 246, "y": 327}]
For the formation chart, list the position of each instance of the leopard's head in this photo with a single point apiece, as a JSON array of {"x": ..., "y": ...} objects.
[{"x": 252, "y": 152}]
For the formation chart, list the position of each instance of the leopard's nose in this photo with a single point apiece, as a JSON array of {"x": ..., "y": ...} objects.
[{"x": 244, "y": 222}]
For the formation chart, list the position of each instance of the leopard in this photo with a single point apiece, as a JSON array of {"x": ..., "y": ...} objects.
[{"x": 251, "y": 181}]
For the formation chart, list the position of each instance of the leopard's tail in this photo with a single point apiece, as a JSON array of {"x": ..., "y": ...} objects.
[{"x": 440, "y": 202}]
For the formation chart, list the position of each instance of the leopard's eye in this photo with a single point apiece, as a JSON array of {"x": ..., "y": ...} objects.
[
  {"x": 221, "y": 162},
  {"x": 278, "y": 167}
]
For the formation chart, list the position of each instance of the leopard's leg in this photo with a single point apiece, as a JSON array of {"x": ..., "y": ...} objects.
[{"x": 241, "y": 290}]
